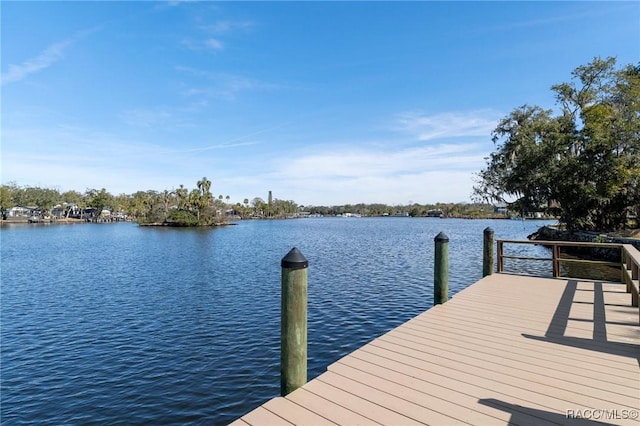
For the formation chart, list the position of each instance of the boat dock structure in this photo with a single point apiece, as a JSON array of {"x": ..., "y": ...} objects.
[{"x": 507, "y": 350}]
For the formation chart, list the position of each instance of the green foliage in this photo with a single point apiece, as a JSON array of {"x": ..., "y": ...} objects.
[
  {"x": 7, "y": 196},
  {"x": 184, "y": 207},
  {"x": 584, "y": 164},
  {"x": 12, "y": 195},
  {"x": 182, "y": 218},
  {"x": 99, "y": 199}
]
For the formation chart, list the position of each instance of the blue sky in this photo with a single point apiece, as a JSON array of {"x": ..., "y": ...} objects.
[{"x": 323, "y": 103}]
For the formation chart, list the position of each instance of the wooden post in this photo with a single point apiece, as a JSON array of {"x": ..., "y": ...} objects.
[
  {"x": 293, "y": 332},
  {"x": 441, "y": 269},
  {"x": 487, "y": 250},
  {"x": 635, "y": 270},
  {"x": 555, "y": 255},
  {"x": 500, "y": 256},
  {"x": 624, "y": 267}
]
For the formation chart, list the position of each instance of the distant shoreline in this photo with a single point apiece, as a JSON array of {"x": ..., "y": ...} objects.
[
  {"x": 179, "y": 225},
  {"x": 28, "y": 221}
]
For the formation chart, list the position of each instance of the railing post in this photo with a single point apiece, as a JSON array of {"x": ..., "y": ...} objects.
[
  {"x": 500, "y": 254},
  {"x": 555, "y": 254},
  {"x": 487, "y": 251},
  {"x": 441, "y": 269},
  {"x": 624, "y": 267},
  {"x": 293, "y": 332},
  {"x": 635, "y": 270}
]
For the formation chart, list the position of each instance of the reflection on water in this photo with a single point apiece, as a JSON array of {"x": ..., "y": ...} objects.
[
  {"x": 541, "y": 268},
  {"x": 593, "y": 272},
  {"x": 544, "y": 268}
]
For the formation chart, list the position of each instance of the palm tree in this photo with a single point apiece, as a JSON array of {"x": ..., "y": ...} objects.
[
  {"x": 182, "y": 195},
  {"x": 195, "y": 200},
  {"x": 167, "y": 196},
  {"x": 204, "y": 186}
]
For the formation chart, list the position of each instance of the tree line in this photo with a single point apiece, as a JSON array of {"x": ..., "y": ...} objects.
[
  {"x": 183, "y": 206},
  {"x": 454, "y": 210},
  {"x": 200, "y": 206},
  {"x": 583, "y": 164}
]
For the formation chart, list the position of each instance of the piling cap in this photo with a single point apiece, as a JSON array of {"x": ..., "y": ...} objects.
[
  {"x": 441, "y": 237},
  {"x": 488, "y": 229},
  {"x": 294, "y": 260}
]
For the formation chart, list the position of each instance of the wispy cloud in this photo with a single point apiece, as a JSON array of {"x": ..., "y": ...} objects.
[
  {"x": 223, "y": 27},
  {"x": 581, "y": 15},
  {"x": 327, "y": 174},
  {"x": 213, "y": 44},
  {"x": 209, "y": 44},
  {"x": 223, "y": 85},
  {"x": 174, "y": 3},
  {"x": 240, "y": 141},
  {"x": 146, "y": 118},
  {"x": 338, "y": 176},
  {"x": 382, "y": 163},
  {"x": 45, "y": 59},
  {"x": 212, "y": 33},
  {"x": 109, "y": 160},
  {"x": 448, "y": 124}
]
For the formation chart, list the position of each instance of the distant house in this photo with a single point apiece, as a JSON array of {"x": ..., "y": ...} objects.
[
  {"x": 434, "y": 213},
  {"x": 19, "y": 211},
  {"x": 500, "y": 209},
  {"x": 86, "y": 213},
  {"x": 59, "y": 211}
]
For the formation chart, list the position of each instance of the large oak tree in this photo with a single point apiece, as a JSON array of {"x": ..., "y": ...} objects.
[{"x": 582, "y": 164}]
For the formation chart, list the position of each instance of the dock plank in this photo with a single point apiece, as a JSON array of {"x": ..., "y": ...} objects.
[
  {"x": 466, "y": 403},
  {"x": 295, "y": 413},
  {"x": 482, "y": 330},
  {"x": 571, "y": 373},
  {"x": 355, "y": 403},
  {"x": 414, "y": 395},
  {"x": 332, "y": 411},
  {"x": 262, "y": 416},
  {"x": 393, "y": 402},
  {"x": 507, "y": 350}
]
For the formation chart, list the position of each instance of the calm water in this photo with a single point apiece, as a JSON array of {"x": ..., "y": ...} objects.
[{"x": 121, "y": 324}]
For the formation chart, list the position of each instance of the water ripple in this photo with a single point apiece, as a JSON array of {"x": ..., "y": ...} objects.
[{"x": 125, "y": 325}]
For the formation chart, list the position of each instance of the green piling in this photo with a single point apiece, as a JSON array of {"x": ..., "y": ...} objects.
[
  {"x": 441, "y": 269},
  {"x": 293, "y": 333},
  {"x": 487, "y": 258}
]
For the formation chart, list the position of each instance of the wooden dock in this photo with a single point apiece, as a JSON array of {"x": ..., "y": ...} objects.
[{"x": 507, "y": 350}]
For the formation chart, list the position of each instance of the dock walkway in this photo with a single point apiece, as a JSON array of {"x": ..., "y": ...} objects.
[{"x": 506, "y": 350}]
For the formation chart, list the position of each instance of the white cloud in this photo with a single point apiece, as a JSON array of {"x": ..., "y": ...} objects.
[
  {"x": 174, "y": 3},
  {"x": 447, "y": 125},
  {"x": 213, "y": 44},
  {"x": 356, "y": 163},
  {"x": 209, "y": 44},
  {"x": 223, "y": 85},
  {"x": 45, "y": 59},
  {"x": 48, "y": 57},
  {"x": 145, "y": 118},
  {"x": 423, "y": 187},
  {"x": 423, "y": 174},
  {"x": 221, "y": 27},
  {"x": 327, "y": 174}
]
